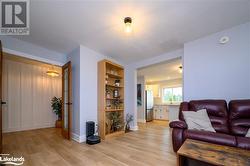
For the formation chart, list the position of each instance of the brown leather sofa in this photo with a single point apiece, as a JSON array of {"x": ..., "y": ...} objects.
[{"x": 231, "y": 123}]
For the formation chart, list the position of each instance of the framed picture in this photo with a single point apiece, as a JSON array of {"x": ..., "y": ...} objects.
[{"x": 139, "y": 99}]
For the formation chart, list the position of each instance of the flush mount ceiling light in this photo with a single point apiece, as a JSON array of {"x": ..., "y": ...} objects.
[
  {"x": 52, "y": 72},
  {"x": 180, "y": 69},
  {"x": 128, "y": 26}
]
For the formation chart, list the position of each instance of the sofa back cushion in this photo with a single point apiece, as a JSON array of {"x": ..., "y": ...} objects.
[
  {"x": 216, "y": 109},
  {"x": 239, "y": 117}
]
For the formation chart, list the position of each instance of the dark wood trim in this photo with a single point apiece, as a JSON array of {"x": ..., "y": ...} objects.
[
  {"x": 1, "y": 70},
  {"x": 67, "y": 133}
]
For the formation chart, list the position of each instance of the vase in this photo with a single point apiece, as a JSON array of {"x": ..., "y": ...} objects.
[{"x": 58, "y": 124}]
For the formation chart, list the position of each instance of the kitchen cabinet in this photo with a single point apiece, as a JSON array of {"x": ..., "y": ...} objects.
[
  {"x": 173, "y": 112},
  {"x": 161, "y": 112}
]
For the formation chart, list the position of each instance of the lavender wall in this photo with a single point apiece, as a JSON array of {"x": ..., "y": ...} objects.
[{"x": 216, "y": 71}]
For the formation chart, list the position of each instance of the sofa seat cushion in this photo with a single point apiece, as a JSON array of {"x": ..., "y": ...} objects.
[
  {"x": 216, "y": 138},
  {"x": 243, "y": 142}
]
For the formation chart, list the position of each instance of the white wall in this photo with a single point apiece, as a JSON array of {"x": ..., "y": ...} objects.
[
  {"x": 141, "y": 109},
  {"x": 88, "y": 87},
  {"x": 40, "y": 115},
  {"x": 29, "y": 50},
  {"x": 84, "y": 77},
  {"x": 74, "y": 57},
  {"x": 216, "y": 71},
  {"x": 28, "y": 92},
  {"x": 131, "y": 94}
]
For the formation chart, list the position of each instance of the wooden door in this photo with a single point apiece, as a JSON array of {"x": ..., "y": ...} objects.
[
  {"x": 66, "y": 100},
  {"x": 1, "y": 102}
]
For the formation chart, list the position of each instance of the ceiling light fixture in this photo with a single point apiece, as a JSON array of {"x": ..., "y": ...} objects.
[
  {"x": 180, "y": 69},
  {"x": 52, "y": 72},
  {"x": 128, "y": 26}
]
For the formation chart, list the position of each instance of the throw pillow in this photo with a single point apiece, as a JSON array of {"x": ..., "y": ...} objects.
[{"x": 198, "y": 120}]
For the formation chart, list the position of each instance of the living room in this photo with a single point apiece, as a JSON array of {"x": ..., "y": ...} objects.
[{"x": 100, "y": 47}]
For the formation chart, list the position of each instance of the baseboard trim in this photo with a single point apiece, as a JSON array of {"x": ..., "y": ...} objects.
[
  {"x": 78, "y": 138},
  {"x": 141, "y": 120},
  {"x": 9, "y": 130}
]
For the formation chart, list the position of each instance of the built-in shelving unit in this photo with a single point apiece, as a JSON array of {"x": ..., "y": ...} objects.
[{"x": 110, "y": 99}]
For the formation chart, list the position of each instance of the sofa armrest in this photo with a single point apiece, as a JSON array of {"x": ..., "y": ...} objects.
[{"x": 178, "y": 124}]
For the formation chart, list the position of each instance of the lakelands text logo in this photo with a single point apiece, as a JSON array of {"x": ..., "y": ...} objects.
[
  {"x": 6, "y": 159},
  {"x": 14, "y": 17}
]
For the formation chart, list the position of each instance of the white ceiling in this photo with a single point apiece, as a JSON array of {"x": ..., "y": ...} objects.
[
  {"x": 161, "y": 72},
  {"x": 158, "y": 26}
]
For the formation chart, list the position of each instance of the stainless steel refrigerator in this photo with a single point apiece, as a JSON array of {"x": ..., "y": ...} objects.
[{"x": 149, "y": 104}]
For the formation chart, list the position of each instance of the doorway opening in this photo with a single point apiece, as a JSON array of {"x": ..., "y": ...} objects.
[
  {"x": 28, "y": 87},
  {"x": 159, "y": 92}
]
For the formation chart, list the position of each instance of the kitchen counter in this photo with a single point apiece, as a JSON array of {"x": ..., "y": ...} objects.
[
  {"x": 177, "y": 104},
  {"x": 166, "y": 111}
]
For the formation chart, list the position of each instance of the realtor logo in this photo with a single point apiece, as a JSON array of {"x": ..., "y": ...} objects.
[{"x": 14, "y": 17}]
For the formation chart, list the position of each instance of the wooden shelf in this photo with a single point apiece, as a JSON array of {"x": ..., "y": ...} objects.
[
  {"x": 114, "y": 99},
  {"x": 106, "y": 84},
  {"x": 112, "y": 110},
  {"x": 114, "y": 76},
  {"x": 114, "y": 86}
]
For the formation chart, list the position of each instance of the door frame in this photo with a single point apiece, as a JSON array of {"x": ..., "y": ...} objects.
[
  {"x": 1, "y": 102},
  {"x": 67, "y": 134}
]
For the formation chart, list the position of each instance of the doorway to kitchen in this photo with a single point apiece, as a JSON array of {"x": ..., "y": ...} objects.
[{"x": 159, "y": 91}]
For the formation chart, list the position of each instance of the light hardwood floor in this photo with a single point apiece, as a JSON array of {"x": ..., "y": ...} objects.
[{"x": 151, "y": 145}]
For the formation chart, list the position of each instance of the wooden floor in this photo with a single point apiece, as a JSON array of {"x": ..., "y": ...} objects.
[{"x": 151, "y": 145}]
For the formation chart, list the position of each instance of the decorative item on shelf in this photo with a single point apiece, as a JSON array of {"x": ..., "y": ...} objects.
[
  {"x": 114, "y": 122},
  {"x": 56, "y": 104},
  {"x": 108, "y": 94},
  {"x": 106, "y": 79},
  {"x": 129, "y": 119},
  {"x": 117, "y": 82},
  {"x": 108, "y": 105},
  {"x": 116, "y": 93},
  {"x": 118, "y": 104},
  {"x": 108, "y": 70}
]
